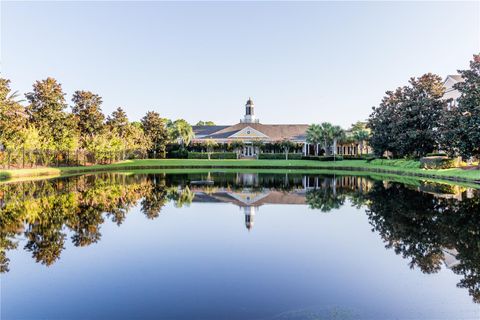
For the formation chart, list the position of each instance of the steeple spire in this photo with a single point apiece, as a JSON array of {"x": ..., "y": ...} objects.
[{"x": 249, "y": 112}]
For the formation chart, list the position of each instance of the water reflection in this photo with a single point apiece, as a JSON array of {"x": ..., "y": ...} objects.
[{"x": 428, "y": 224}]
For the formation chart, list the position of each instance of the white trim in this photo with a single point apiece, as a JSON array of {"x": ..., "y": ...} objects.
[{"x": 254, "y": 134}]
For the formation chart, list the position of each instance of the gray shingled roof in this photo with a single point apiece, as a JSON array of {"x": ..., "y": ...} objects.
[
  {"x": 206, "y": 130},
  {"x": 273, "y": 131}
]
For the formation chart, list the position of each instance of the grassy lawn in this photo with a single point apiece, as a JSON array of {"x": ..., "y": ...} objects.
[{"x": 400, "y": 167}]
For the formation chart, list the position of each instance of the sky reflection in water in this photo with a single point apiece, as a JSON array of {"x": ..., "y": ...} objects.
[{"x": 238, "y": 246}]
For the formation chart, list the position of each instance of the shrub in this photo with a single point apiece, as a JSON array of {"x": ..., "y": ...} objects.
[
  {"x": 178, "y": 154},
  {"x": 356, "y": 157},
  {"x": 279, "y": 156},
  {"x": 437, "y": 162},
  {"x": 323, "y": 158},
  {"x": 310, "y": 158},
  {"x": 331, "y": 158},
  {"x": 403, "y": 163},
  {"x": 213, "y": 155},
  {"x": 440, "y": 154}
]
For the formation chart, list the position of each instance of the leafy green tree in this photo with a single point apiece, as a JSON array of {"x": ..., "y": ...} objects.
[
  {"x": 118, "y": 121},
  {"x": 382, "y": 123},
  {"x": 210, "y": 145},
  {"x": 237, "y": 146},
  {"x": 87, "y": 110},
  {"x": 407, "y": 120},
  {"x": 46, "y": 112},
  {"x": 461, "y": 130},
  {"x": 135, "y": 138},
  {"x": 155, "y": 129},
  {"x": 286, "y": 146}
]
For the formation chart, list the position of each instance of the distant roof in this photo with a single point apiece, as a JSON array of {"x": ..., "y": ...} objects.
[
  {"x": 273, "y": 131},
  {"x": 456, "y": 77},
  {"x": 206, "y": 130}
]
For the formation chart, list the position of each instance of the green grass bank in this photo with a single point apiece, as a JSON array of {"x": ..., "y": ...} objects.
[{"x": 397, "y": 167}]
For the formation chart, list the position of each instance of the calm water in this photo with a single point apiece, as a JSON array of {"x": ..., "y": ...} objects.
[{"x": 238, "y": 246}]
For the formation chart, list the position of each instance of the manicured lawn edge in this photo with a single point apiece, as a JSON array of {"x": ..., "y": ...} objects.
[{"x": 457, "y": 175}]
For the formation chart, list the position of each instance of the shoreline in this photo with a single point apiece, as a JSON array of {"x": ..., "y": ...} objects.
[{"x": 386, "y": 167}]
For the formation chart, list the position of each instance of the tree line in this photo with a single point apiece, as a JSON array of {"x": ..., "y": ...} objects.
[
  {"x": 415, "y": 120},
  {"x": 44, "y": 123}
]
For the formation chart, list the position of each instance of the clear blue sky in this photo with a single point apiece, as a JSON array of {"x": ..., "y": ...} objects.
[{"x": 300, "y": 62}]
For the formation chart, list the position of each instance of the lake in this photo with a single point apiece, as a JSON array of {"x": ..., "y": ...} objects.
[{"x": 229, "y": 245}]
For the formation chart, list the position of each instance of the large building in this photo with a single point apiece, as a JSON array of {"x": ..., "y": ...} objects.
[{"x": 251, "y": 131}]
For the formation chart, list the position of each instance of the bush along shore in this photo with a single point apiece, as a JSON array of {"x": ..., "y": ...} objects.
[{"x": 398, "y": 167}]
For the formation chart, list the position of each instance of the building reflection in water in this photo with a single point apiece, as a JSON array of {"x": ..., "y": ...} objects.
[{"x": 250, "y": 194}]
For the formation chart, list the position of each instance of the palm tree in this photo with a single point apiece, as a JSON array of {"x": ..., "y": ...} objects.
[
  {"x": 314, "y": 136},
  {"x": 181, "y": 131},
  {"x": 326, "y": 130},
  {"x": 337, "y": 134},
  {"x": 361, "y": 136}
]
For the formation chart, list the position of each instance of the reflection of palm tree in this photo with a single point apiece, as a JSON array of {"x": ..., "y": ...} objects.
[
  {"x": 181, "y": 197},
  {"x": 324, "y": 199}
]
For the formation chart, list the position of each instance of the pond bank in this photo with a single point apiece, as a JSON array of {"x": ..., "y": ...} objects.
[{"x": 397, "y": 167}]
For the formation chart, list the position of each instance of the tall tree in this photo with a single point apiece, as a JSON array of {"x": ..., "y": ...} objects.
[
  {"x": 155, "y": 129},
  {"x": 46, "y": 113},
  {"x": 382, "y": 123},
  {"x": 462, "y": 124},
  {"x": 337, "y": 134},
  {"x": 407, "y": 121},
  {"x": 118, "y": 121},
  {"x": 314, "y": 136},
  {"x": 88, "y": 112},
  {"x": 326, "y": 134}
]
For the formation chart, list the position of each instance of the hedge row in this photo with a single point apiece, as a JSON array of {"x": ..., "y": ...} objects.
[
  {"x": 323, "y": 158},
  {"x": 279, "y": 156},
  {"x": 177, "y": 154},
  {"x": 213, "y": 155},
  {"x": 437, "y": 162},
  {"x": 436, "y": 154},
  {"x": 356, "y": 157}
]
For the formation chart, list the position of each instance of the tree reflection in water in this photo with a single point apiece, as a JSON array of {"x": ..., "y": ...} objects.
[{"x": 423, "y": 222}]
